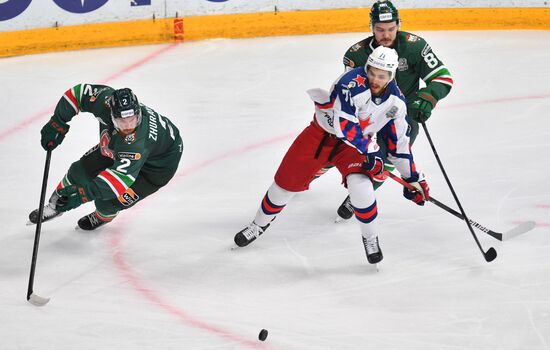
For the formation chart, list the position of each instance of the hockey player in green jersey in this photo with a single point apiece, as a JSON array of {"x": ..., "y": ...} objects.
[
  {"x": 138, "y": 153},
  {"x": 417, "y": 62}
]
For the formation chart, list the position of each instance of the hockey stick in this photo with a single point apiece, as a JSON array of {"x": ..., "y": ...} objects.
[
  {"x": 516, "y": 231},
  {"x": 491, "y": 253},
  {"x": 31, "y": 297}
]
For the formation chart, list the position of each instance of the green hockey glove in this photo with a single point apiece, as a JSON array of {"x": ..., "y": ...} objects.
[
  {"x": 71, "y": 197},
  {"x": 53, "y": 133},
  {"x": 422, "y": 106}
]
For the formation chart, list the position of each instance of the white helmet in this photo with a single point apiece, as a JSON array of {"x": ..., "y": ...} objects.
[{"x": 384, "y": 58}]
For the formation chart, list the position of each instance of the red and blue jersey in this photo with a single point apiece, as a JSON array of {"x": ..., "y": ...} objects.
[{"x": 355, "y": 116}]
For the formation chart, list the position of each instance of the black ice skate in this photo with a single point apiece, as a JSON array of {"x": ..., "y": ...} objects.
[
  {"x": 249, "y": 234},
  {"x": 91, "y": 222},
  {"x": 345, "y": 210},
  {"x": 49, "y": 211},
  {"x": 372, "y": 248}
]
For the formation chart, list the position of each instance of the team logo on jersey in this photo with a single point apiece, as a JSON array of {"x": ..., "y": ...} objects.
[
  {"x": 360, "y": 80},
  {"x": 129, "y": 139},
  {"x": 403, "y": 64},
  {"x": 128, "y": 198},
  {"x": 351, "y": 84},
  {"x": 104, "y": 144},
  {"x": 412, "y": 38},
  {"x": 392, "y": 113},
  {"x": 355, "y": 48},
  {"x": 129, "y": 155}
]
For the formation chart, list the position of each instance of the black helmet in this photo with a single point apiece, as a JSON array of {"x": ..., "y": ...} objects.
[
  {"x": 383, "y": 12},
  {"x": 124, "y": 104}
]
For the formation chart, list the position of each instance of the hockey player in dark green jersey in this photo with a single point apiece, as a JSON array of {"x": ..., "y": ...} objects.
[
  {"x": 417, "y": 61},
  {"x": 138, "y": 153}
]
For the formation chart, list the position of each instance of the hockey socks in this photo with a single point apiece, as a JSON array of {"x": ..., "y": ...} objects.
[
  {"x": 363, "y": 203},
  {"x": 272, "y": 204}
]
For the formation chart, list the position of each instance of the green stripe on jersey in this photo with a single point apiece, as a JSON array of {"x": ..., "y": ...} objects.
[
  {"x": 442, "y": 71},
  {"x": 127, "y": 179},
  {"x": 76, "y": 92}
]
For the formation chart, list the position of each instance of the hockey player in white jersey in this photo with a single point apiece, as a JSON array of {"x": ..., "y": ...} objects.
[{"x": 362, "y": 103}]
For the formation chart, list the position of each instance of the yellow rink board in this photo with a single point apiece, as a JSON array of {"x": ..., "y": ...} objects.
[{"x": 261, "y": 24}]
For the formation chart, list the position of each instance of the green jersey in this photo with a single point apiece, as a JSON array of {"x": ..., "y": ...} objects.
[
  {"x": 416, "y": 61},
  {"x": 153, "y": 148}
]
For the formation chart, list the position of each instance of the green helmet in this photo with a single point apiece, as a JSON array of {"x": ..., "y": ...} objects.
[{"x": 383, "y": 12}]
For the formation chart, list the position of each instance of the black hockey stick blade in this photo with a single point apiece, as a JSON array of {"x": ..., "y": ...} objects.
[
  {"x": 37, "y": 300},
  {"x": 514, "y": 232},
  {"x": 490, "y": 254}
]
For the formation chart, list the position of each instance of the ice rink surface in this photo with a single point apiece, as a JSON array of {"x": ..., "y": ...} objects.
[{"x": 162, "y": 276}]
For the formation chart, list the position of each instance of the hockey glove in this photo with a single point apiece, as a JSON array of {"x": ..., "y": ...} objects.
[
  {"x": 71, "y": 197},
  {"x": 420, "y": 194},
  {"x": 374, "y": 164},
  {"x": 53, "y": 133},
  {"x": 422, "y": 106}
]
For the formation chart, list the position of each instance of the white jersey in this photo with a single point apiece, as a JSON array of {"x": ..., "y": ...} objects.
[{"x": 351, "y": 113}]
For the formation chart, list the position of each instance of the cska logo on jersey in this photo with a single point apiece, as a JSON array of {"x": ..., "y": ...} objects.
[{"x": 360, "y": 80}]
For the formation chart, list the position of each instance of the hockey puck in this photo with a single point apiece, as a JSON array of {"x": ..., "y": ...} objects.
[{"x": 263, "y": 334}]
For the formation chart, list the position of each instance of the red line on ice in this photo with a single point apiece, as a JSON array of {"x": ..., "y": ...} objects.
[
  {"x": 46, "y": 112},
  {"x": 152, "y": 296},
  {"x": 537, "y": 224},
  {"x": 115, "y": 242}
]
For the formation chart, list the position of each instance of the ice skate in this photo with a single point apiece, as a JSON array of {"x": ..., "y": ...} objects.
[
  {"x": 345, "y": 210},
  {"x": 91, "y": 222},
  {"x": 49, "y": 212},
  {"x": 249, "y": 234},
  {"x": 372, "y": 248}
]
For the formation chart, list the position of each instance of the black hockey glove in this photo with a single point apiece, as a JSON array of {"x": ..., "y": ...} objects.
[
  {"x": 53, "y": 133},
  {"x": 71, "y": 197}
]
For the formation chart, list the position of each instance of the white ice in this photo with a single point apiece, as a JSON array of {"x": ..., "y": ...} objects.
[{"x": 163, "y": 276}]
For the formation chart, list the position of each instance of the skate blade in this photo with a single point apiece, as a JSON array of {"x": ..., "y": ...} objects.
[
  {"x": 29, "y": 223},
  {"x": 339, "y": 219}
]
